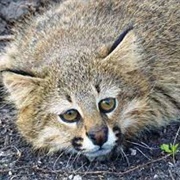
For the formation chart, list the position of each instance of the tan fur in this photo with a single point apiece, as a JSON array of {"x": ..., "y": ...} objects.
[{"x": 68, "y": 52}]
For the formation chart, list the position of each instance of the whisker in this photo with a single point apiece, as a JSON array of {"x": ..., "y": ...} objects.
[
  {"x": 125, "y": 156},
  {"x": 116, "y": 154},
  {"x": 61, "y": 154},
  {"x": 89, "y": 166},
  {"x": 83, "y": 165},
  {"x": 68, "y": 161},
  {"x": 75, "y": 158},
  {"x": 142, "y": 153},
  {"x": 143, "y": 145},
  {"x": 151, "y": 148}
]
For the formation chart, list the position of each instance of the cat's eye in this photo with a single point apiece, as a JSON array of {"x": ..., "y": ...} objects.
[
  {"x": 70, "y": 116},
  {"x": 107, "y": 105}
]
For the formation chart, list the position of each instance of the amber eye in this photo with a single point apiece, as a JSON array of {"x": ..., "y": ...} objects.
[
  {"x": 107, "y": 105},
  {"x": 70, "y": 116}
]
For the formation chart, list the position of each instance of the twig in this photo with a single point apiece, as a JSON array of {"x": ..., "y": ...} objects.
[
  {"x": 175, "y": 138},
  {"x": 36, "y": 168},
  {"x": 170, "y": 173},
  {"x": 16, "y": 168},
  {"x": 102, "y": 172},
  {"x": 174, "y": 142}
]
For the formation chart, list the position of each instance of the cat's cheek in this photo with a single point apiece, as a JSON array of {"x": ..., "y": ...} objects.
[
  {"x": 127, "y": 124},
  {"x": 133, "y": 116},
  {"x": 53, "y": 139}
]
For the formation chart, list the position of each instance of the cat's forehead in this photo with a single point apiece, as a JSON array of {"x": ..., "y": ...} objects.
[
  {"x": 80, "y": 73},
  {"x": 76, "y": 76},
  {"x": 87, "y": 84}
]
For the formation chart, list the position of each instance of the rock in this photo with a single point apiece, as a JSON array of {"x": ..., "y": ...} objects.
[
  {"x": 77, "y": 177},
  {"x": 70, "y": 177}
]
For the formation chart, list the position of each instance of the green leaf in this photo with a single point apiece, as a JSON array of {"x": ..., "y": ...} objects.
[
  {"x": 166, "y": 148},
  {"x": 174, "y": 148},
  {"x": 176, "y": 145}
]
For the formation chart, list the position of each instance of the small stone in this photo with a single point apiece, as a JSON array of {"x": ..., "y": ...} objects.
[
  {"x": 133, "y": 152},
  {"x": 77, "y": 177},
  {"x": 155, "y": 176},
  {"x": 10, "y": 173},
  {"x": 2, "y": 153},
  {"x": 65, "y": 178},
  {"x": 39, "y": 162},
  {"x": 171, "y": 164},
  {"x": 70, "y": 177}
]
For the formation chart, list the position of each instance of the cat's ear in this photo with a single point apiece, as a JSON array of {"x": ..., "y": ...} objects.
[
  {"x": 20, "y": 85},
  {"x": 125, "y": 52}
]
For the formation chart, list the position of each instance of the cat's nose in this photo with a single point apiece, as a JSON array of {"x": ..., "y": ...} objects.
[{"x": 98, "y": 135}]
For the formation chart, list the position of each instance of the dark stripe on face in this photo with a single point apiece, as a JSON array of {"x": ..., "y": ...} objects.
[
  {"x": 160, "y": 104},
  {"x": 170, "y": 98},
  {"x": 19, "y": 72},
  {"x": 97, "y": 88},
  {"x": 69, "y": 98}
]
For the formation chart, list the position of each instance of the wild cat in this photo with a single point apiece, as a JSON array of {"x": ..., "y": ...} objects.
[{"x": 88, "y": 74}]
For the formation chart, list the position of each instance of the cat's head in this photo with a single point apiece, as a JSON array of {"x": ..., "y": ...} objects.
[{"x": 82, "y": 106}]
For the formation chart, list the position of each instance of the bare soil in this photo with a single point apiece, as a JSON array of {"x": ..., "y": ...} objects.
[{"x": 144, "y": 160}]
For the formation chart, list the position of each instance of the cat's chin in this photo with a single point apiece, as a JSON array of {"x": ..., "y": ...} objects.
[{"x": 99, "y": 155}]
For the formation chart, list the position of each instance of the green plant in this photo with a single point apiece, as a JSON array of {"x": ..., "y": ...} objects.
[{"x": 170, "y": 149}]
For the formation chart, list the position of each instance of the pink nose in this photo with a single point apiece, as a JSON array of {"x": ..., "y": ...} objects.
[{"x": 98, "y": 135}]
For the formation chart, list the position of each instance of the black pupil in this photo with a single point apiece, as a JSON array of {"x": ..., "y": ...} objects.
[
  {"x": 108, "y": 102},
  {"x": 70, "y": 112}
]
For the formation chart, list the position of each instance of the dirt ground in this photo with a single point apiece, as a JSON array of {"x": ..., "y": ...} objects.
[{"x": 144, "y": 160}]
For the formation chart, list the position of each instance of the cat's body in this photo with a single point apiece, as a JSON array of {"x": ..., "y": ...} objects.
[{"x": 88, "y": 74}]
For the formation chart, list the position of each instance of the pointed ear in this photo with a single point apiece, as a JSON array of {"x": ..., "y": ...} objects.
[
  {"x": 126, "y": 55},
  {"x": 20, "y": 86}
]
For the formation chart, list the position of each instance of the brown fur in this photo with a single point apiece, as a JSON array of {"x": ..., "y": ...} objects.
[{"x": 66, "y": 55}]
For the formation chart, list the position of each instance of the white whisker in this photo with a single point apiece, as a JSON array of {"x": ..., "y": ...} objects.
[
  {"x": 61, "y": 154},
  {"x": 125, "y": 156},
  {"x": 142, "y": 153},
  {"x": 143, "y": 145}
]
